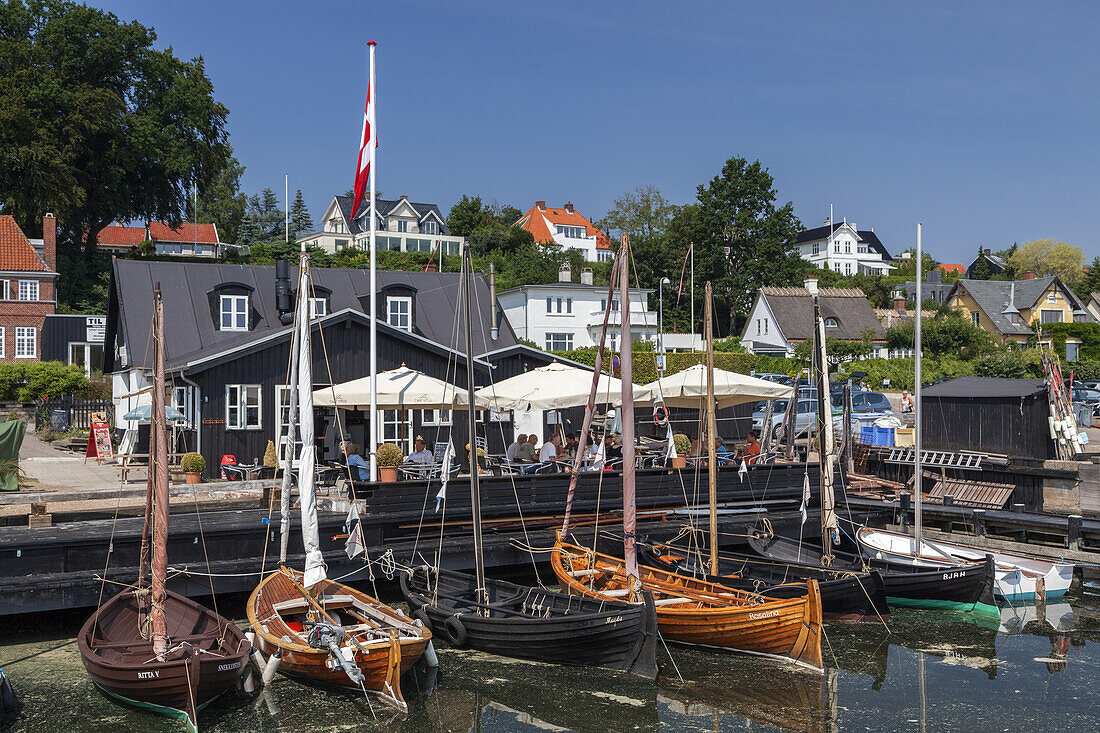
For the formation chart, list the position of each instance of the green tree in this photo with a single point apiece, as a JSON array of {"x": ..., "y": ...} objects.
[
  {"x": 300, "y": 220},
  {"x": 222, "y": 203},
  {"x": 488, "y": 227},
  {"x": 1049, "y": 257},
  {"x": 1090, "y": 281},
  {"x": 268, "y": 215},
  {"x": 96, "y": 124},
  {"x": 642, "y": 213},
  {"x": 981, "y": 269},
  {"x": 907, "y": 268},
  {"x": 249, "y": 232}
]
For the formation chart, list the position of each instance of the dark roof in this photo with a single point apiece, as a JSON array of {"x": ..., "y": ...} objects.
[
  {"x": 993, "y": 296},
  {"x": 865, "y": 235},
  {"x": 384, "y": 208},
  {"x": 793, "y": 310},
  {"x": 979, "y": 387},
  {"x": 997, "y": 263},
  {"x": 186, "y": 287}
]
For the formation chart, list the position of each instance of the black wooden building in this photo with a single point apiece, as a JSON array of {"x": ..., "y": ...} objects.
[{"x": 1007, "y": 416}]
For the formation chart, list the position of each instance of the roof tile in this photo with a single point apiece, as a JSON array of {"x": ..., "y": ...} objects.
[{"x": 16, "y": 252}]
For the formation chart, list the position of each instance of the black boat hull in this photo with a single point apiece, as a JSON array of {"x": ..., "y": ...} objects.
[{"x": 534, "y": 623}]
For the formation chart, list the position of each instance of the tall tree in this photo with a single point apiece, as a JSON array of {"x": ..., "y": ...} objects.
[
  {"x": 249, "y": 232},
  {"x": 1090, "y": 281},
  {"x": 300, "y": 220},
  {"x": 488, "y": 227},
  {"x": 96, "y": 124},
  {"x": 642, "y": 213},
  {"x": 223, "y": 203},
  {"x": 1049, "y": 257},
  {"x": 268, "y": 214}
]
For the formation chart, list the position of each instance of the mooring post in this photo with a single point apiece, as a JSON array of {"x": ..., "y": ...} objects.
[
  {"x": 979, "y": 522},
  {"x": 1073, "y": 531},
  {"x": 904, "y": 497}
]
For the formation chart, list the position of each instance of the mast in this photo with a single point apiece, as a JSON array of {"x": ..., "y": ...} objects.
[
  {"x": 475, "y": 488},
  {"x": 288, "y": 454},
  {"x": 917, "y": 514},
  {"x": 712, "y": 458},
  {"x": 625, "y": 360},
  {"x": 372, "y": 92},
  {"x": 159, "y": 465},
  {"x": 824, "y": 427},
  {"x": 315, "y": 562}
]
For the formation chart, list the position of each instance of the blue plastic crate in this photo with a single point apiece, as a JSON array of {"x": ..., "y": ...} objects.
[{"x": 872, "y": 435}]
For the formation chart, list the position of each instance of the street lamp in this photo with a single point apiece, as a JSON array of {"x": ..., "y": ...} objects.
[{"x": 661, "y": 320}]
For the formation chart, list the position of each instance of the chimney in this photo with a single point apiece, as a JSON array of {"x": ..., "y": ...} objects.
[
  {"x": 565, "y": 275},
  {"x": 282, "y": 292},
  {"x": 404, "y": 197},
  {"x": 985, "y": 251},
  {"x": 811, "y": 285},
  {"x": 494, "y": 332},
  {"x": 569, "y": 207},
  {"x": 586, "y": 276},
  {"x": 935, "y": 276},
  {"x": 541, "y": 205},
  {"x": 899, "y": 301},
  {"x": 49, "y": 240},
  {"x": 1029, "y": 275}
]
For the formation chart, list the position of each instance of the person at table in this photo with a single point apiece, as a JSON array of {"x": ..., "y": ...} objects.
[
  {"x": 420, "y": 453},
  {"x": 512, "y": 453},
  {"x": 722, "y": 453},
  {"x": 550, "y": 449},
  {"x": 612, "y": 447},
  {"x": 571, "y": 443},
  {"x": 751, "y": 450},
  {"x": 354, "y": 460},
  {"x": 526, "y": 449}
]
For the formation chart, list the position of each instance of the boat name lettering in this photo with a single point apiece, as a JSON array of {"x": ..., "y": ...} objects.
[
  {"x": 153, "y": 674},
  {"x": 224, "y": 667},
  {"x": 613, "y": 620},
  {"x": 951, "y": 576},
  {"x": 765, "y": 614}
]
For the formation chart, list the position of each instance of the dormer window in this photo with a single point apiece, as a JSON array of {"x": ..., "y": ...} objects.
[
  {"x": 318, "y": 307},
  {"x": 429, "y": 227},
  {"x": 832, "y": 323},
  {"x": 571, "y": 232},
  {"x": 399, "y": 312},
  {"x": 234, "y": 313},
  {"x": 402, "y": 225}
]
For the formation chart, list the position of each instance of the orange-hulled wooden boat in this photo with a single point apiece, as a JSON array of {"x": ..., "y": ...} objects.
[
  {"x": 377, "y": 639},
  {"x": 691, "y": 611}
]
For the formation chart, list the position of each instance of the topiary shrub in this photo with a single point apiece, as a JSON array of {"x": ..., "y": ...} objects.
[
  {"x": 682, "y": 443},
  {"x": 271, "y": 459},
  {"x": 389, "y": 455},
  {"x": 193, "y": 463}
]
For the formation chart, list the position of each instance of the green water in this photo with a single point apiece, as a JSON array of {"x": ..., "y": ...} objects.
[{"x": 1025, "y": 674}]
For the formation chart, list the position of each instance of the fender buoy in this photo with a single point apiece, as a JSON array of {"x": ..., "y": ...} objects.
[
  {"x": 455, "y": 631},
  {"x": 660, "y": 414}
]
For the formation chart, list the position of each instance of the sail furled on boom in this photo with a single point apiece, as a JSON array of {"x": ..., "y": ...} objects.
[
  {"x": 829, "y": 526},
  {"x": 315, "y": 563}
]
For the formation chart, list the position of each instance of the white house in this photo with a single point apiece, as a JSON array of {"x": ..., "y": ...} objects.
[
  {"x": 403, "y": 226},
  {"x": 566, "y": 228},
  {"x": 844, "y": 248},
  {"x": 567, "y": 315}
]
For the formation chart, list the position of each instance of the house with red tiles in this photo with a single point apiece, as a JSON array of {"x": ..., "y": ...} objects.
[
  {"x": 190, "y": 240},
  {"x": 28, "y": 279},
  {"x": 568, "y": 228}
]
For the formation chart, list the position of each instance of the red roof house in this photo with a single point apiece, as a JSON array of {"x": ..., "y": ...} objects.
[
  {"x": 566, "y": 227},
  {"x": 27, "y": 287}
]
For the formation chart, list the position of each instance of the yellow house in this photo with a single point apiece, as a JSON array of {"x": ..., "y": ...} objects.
[{"x": 1011, "y": 311}]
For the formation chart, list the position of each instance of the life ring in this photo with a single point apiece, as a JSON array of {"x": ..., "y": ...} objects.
[
  {"x": 660, "y": 414},
  {"x": 455, "y": 631}
]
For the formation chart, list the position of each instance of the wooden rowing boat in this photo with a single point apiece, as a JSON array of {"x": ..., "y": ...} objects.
[
  {"x": 699, "y": 613},
  {"x": 378, "y": 640}
]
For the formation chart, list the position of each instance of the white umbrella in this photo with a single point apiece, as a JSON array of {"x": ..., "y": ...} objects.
[
  {"x": 688, "y": 387},
  {"x": 398, "y": 389},
  {"x": 552, "y": 387}
]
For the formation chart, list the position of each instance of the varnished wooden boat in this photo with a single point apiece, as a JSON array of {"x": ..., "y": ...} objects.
[
  {"x": 696, "y": 612},
  {"x": 207, "y": 654},
  {"x": 378, "y": 640},
  {"x": 534, "y": 623}
]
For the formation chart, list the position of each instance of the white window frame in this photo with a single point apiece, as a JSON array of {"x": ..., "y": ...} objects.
[
  {"x": 405, "y": 300},
  {"x": 6, "y": 284},
  {"x": 429, "y": 227},
  {"x": 87, "y": 346},
  {"x": 237, "y": 400},
  {"x": 236, "y": 309},
  {"x": 183, "y": 399},
  {"x": 402, "y": 225},
  {"x": 390, "y": 421},
  {"x": 283, "y": 421},
  {"x": 976, "y": 318},
  {"x": 559, "y": 341},
  {"x": 1052, "y": 297},
  {"x": 318, "y": 308},
  {"x": 436, "y": 418},
  {"x": 832, "y": 323},
  {"x": 3, "y": 342},
  {"x": 21, "y": 333},
  {"x": 32, "y": 289}
]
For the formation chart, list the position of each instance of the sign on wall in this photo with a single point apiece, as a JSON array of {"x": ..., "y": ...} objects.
[{"x": 95, "y": 329}]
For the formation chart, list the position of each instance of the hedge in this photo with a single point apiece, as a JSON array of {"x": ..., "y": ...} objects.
[
  {"x": 31, "y": 381},
  {"x": 645, "y": 361}
]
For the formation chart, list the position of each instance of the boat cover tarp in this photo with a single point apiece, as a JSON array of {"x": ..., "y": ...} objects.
[{"x": 11, "y": 438}]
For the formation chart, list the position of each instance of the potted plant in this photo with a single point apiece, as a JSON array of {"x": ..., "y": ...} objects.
[
  {"x": 271, "y": 461},
  {"x": 683, "y": 445},
  {"x": 480, "y": 456},
  {"x": 389, "y": 457},
  {"x": 193, "y": 464}
]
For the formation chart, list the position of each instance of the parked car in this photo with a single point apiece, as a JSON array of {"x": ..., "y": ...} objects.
[
  {"x": 1085, "y": 396},
  {"x": 777, "y": 378},
  {"x": 871, "y": 402}
]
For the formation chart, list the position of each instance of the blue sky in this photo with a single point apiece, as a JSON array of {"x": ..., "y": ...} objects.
[{"x": 979, "y": 119}]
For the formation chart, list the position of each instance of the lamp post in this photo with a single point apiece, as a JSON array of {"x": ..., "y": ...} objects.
[{"x": 661, "y": 320}]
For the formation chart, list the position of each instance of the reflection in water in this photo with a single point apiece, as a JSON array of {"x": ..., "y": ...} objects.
[{"x": 929, "y": 671}]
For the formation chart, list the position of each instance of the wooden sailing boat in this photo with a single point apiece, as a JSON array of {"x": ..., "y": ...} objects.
[
  {"x": 148, "y": 646},
  {"x": 689, "y": 610},
  {"x": 521, "y": 621},
  {"x": 318, "y": 629}
]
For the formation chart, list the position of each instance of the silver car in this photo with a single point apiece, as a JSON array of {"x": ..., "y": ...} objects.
[{"x": 805, "y": 416}]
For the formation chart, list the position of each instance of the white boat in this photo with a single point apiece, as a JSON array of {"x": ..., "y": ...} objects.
[{"x": 1017, "y": 576}]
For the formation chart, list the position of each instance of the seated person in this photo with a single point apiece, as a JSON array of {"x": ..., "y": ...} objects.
[
  {"x": 356, "y": 461},
  {"x": 722, "y": 453},
  {"x": 571, "y": 443},
  {"x": 526, "y": 451},
  {"x": 420, "y": 453},
  {"x": 612, "y": 447},
  {"x": 751, "y": 449},
  {"x": 512, "y": 453},
  {"x": 549, "y": 450}
]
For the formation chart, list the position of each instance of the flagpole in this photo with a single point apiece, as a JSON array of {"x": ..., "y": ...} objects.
[
  {"x": 286, "y": 206},
  {"x": 691, "y": 251},
  {"x": 373, "y": 91}
]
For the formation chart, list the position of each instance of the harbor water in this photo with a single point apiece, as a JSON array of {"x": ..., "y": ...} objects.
[{"x": 1037, "y": 669}]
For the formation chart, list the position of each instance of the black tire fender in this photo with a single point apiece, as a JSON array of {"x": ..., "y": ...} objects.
[
  {"x": 421, "y": 615},
  {"x": 455, "y": 631}
]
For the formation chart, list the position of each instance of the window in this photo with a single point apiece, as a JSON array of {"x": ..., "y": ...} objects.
[
  {"x": 568, "y": 305},
  {"x": 284, "y": 425},
  {"x": 848, "y": 248},
  {"x": 5, "y": 289},
  {"x": 847, "y": 268},
  {"x": 1072, "y": 351},
  {"x": 26, "y": 342},
  {"x": 604, "y": 256},
  {"x": 450, "y": 247},
  {"x": 242, "y": 407},
  {"x": 559, "y": 341},
  {"x": 397, "y": 431},
  {"x": 836, "y": 267},
  {"x": 318, "y": 307},
  {"x": 1079, "y": 318},
  {"x": 89, "y": 356},
  {"x": 1014, "y": 318},
  {"x": 816, "y": 249},
  {"x": 341, "y": 244},
  {"x": 429, "y": 227},
  {"x": 559, "y": 305},
  {"x": 831, "y": 323},
  {"x": 1046, "y": 316},
  {"x": 183, "y": 400},
  {"x": 759, "y": 330},
  {"x": 399, "y": 312},
  {"x": 571, "y": 232},
  {"x": 436, "y": 417},
  {"x": 402, "y": 225},
  {"x": 3, "y": 342},
  {"x": 549, "y": 305},
  {"x": 234, "y": 313},
  {"x": 28, "y": 290},
  {"x": 1052, "y": 297},
  {"x": 836, "y": 247},
  {"x": 976, "y": 318},
  {"x": 765, "y": 326}
]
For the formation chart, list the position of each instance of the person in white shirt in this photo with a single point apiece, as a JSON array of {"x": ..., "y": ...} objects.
[
  {"x": 513, "y": 449},
  {"x": 549, "y": 450},
  {"x": 420, "y": 454}
]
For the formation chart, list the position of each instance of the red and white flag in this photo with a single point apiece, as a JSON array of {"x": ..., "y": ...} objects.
[{"x": 368, "y": 142}]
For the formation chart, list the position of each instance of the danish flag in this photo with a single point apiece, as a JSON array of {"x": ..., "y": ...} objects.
[{"x": 362, "y": 170}]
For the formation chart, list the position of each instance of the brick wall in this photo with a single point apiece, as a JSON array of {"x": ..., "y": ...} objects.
[{"x": 15, "y": 313}]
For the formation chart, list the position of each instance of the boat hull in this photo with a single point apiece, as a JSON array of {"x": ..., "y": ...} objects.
[
  {"x": 382, "y": 657},
  {"x": 207, "y": 655},
  {"x": 709, "y": 615},
  {"x": 534, "y": 623},
  {"x": 1017, "y": 577}
]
